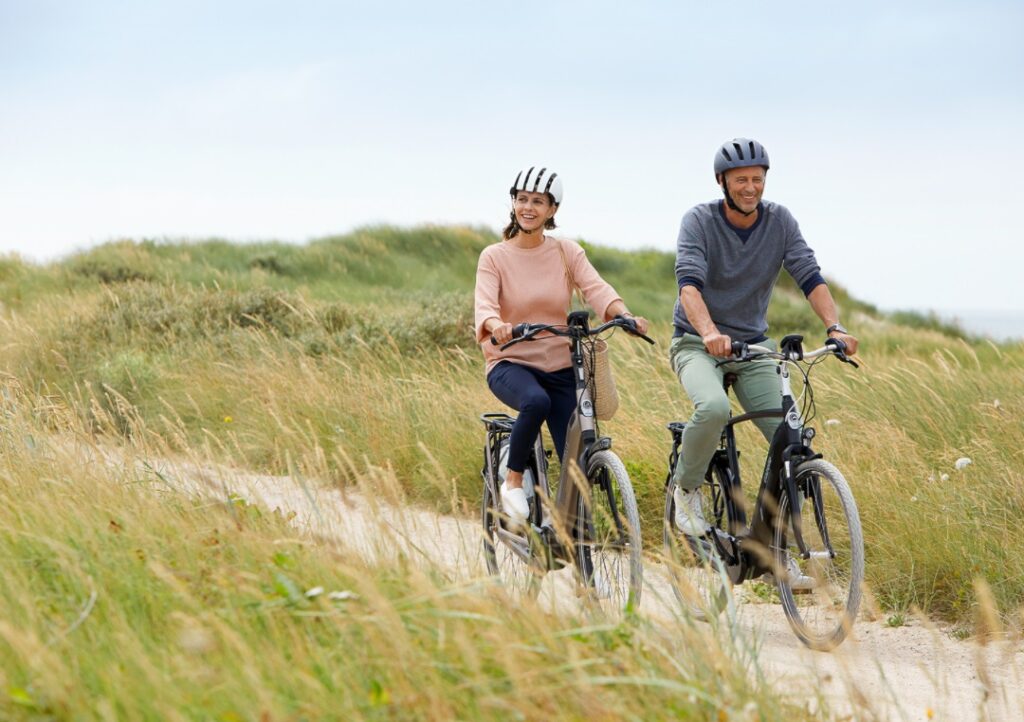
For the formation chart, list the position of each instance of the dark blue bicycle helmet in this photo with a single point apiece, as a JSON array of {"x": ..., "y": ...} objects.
[{"x": 740, "y": 153}]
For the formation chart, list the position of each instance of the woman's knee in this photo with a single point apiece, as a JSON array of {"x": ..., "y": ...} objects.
[{"x": 536, "y": 402}]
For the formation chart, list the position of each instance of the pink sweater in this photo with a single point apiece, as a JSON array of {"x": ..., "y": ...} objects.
[{"x": 528, "y": 285}]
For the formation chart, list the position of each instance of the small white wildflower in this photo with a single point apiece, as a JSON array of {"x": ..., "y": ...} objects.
[
  {"x": 913, "y": 498},
  {"x": 944, "y": 477},
  {"x": 314, "y": 592},
  {"x": 342, "y": 596},
  {"x": 996, "y": 403},
  {"x": 962, "y": 463},
  {"x": 931, "y": 478},
  {"x": 833, "y": 422}
]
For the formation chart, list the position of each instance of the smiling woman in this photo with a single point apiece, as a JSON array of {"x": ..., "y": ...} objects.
[{"x": 529, "y": 278}]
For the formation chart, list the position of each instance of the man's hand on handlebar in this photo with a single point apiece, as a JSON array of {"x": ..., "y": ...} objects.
[
  {"x": 850, "y": 342},
  {"x": 718, "y": 344},
  {"x": 842, "y": 350}
]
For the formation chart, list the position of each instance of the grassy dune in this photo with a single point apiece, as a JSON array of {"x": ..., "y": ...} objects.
[{"x": 354, "y": 353}]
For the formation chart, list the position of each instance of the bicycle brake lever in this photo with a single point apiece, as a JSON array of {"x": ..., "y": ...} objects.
[{"x": 629, "y": 325}]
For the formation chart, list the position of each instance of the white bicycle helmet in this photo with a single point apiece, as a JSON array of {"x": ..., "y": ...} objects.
[{"x": 542, "y": 181}]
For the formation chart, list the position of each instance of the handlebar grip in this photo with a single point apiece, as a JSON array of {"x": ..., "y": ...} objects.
[
  {"x": 629, "y": 324},
  {"x": 518, "y": 331},
  {"x": 838, "y": 343},
  {"x": 739, "y": 349},
  {"x": 840, "y": 351}
]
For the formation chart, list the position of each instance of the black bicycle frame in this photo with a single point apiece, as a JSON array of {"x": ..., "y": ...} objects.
[{"x": 747, "y": 552}]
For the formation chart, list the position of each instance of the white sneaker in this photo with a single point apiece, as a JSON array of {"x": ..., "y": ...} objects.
[
  {"x": 689, "y": 515},
  {"x": 798, "y": 581},
  {"x": 513, "y": 502}
]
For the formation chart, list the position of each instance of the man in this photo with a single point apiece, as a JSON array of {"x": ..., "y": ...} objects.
[{"x": 728, "y": 257}]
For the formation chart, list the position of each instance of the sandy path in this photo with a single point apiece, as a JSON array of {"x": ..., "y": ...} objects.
[{"x": 906, "y": 673}]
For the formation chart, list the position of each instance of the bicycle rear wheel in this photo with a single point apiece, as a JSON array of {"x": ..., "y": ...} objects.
[
  {"x": 697, "y": 572},
  {"x": 823, "y": 615},
  {"x": 509, "y": 553},
  {"x": 607, "y": 535}
]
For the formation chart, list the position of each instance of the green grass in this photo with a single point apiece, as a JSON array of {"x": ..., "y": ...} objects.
[{"x": 356, "y": 352}]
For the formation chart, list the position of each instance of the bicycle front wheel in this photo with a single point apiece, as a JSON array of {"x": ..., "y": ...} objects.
[
  {"x": 607, "y": 535},
  {"x": 698, "y": 573},
  {"x": 821, "y": 602}
]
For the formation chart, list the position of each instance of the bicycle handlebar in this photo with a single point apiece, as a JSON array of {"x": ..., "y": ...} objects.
[
  {"x": 527, "y": 331},
  {"x": 749, "y": 352}
]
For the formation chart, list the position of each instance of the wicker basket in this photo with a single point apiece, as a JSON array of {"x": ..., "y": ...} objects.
[{"x": 602, "y": 385}]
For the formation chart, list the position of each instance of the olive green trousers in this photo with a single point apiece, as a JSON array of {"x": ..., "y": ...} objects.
[{"x": 757, "y": 387}]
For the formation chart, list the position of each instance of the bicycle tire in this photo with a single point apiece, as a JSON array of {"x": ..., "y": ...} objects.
[
  {"x": 824, "y": 615},
  {"x": 514, "y": 572},
  {"x": 698, "y": 574},
  {"x": 607, "y": 540}
]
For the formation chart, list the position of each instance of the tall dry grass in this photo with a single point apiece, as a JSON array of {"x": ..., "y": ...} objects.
[{"x": 126, "y": 595}]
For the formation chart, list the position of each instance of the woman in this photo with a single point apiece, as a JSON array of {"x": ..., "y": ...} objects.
[{"x": 528, "y": 278}]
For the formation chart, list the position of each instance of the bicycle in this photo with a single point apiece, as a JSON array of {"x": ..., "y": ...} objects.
[
  {"x": 592, "y": 521},
  {"x": 828, "y": 553}
]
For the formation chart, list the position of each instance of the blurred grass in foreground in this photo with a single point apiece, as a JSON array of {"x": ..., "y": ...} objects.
[{"x": 126, "y": 597}]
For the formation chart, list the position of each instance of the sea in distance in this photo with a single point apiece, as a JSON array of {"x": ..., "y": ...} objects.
[{"x": 998, "y": 325}]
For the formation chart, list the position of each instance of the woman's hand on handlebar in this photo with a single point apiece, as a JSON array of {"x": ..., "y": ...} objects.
[
  {"x": 633, "y": 325},
  {"x": 501, "y": 333},
  {"x": 642, "y": 324}
]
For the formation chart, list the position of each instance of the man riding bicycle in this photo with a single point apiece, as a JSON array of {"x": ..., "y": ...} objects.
[{"x": 728, "y": 256}]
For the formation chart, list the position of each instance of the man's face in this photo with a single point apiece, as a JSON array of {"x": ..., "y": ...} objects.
[{"x": 745, "y": 186}]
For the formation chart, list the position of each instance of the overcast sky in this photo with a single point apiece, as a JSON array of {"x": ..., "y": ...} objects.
[{"x": 895, "y": 130}]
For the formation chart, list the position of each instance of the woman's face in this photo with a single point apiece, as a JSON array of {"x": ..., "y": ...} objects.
[{"x": 532, "y": 210}]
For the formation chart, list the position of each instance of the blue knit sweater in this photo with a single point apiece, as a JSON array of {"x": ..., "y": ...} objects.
[{"x": 735, "y": 269}]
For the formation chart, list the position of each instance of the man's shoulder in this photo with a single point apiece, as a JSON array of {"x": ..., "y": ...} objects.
[
  {"x": 703, "y": 211},
  {"x": 777, "y": 210}
]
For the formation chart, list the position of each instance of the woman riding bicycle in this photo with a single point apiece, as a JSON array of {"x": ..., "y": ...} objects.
[{"x": 529, "y": 278}]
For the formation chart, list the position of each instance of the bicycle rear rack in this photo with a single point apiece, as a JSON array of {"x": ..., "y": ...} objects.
[{"x": 498, "y": 422}]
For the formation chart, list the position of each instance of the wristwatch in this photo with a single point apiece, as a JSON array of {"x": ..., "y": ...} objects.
[{"x": 836, "y": 327}]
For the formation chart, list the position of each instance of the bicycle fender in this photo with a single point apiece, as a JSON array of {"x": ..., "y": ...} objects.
[{"x": 602, "y": 444}]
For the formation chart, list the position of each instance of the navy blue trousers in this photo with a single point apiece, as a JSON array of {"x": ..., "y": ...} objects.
[{"x": 538, "y": 396}]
